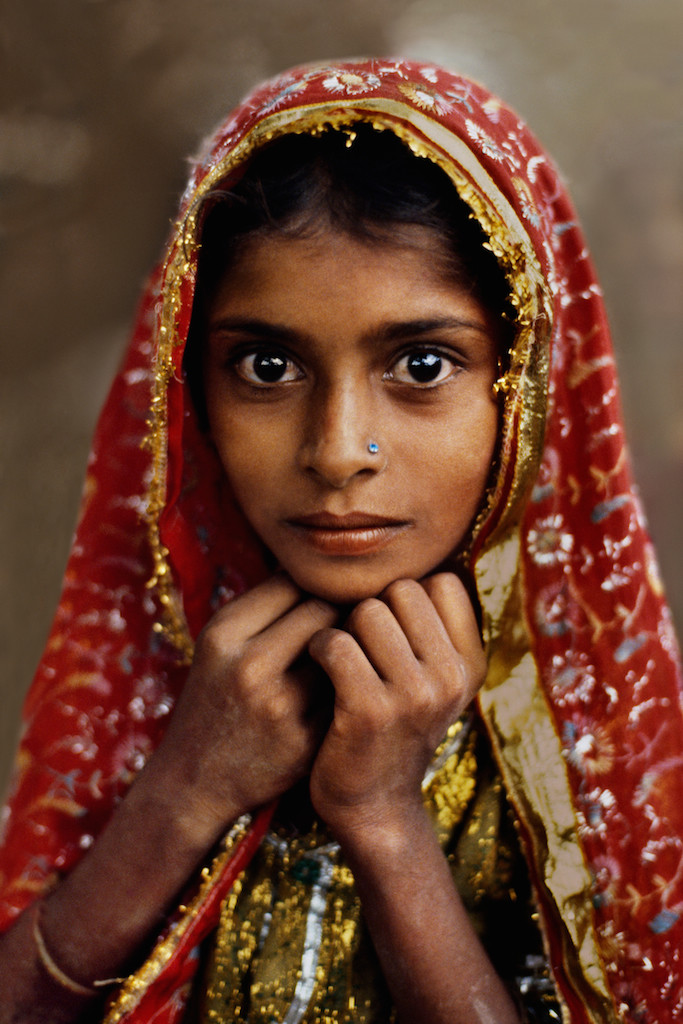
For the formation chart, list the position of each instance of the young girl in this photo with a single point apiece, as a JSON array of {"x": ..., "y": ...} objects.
[{"x": 362, "y": 700}]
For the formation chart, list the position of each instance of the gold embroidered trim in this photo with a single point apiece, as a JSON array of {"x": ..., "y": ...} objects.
[
  {"x": 529, "y": 754},
  {"x": 173, "y": 624},
  {"x": 137, "y": 984}
]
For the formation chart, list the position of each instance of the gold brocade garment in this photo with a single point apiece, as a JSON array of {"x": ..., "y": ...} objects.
[{"x": 291, "y": 945}]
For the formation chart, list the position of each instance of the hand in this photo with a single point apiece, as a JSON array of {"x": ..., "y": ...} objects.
[
  {"x": 404, "y": 667},
  {"x": 250, "y": 718}
]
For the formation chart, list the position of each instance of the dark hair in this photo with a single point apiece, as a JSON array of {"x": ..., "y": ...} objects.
[{"x": 360, "y": 181}]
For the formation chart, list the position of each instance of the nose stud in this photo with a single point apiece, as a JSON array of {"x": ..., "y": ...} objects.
[{"x": 373, "y": 447}]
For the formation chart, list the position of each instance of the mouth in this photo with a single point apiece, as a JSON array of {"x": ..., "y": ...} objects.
[{"x": 356, "y": 533}]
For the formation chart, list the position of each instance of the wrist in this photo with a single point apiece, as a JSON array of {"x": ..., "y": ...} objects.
[
  {"x": 118, "y": 894},
  {"x": 190, "y": 816},
  {"x": 52, "y": 970},
  {"x": 385, "y": 833}
]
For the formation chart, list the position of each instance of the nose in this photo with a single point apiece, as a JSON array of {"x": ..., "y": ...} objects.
[{"x": 340, "y": 441}]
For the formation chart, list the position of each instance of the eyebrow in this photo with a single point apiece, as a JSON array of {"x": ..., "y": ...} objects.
[
  {"x": 406, "y": 329},
  {"x": 399, "y": 330},
  {"x": 252, "y": 326}
]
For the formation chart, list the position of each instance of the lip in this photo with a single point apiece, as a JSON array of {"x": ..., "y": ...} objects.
[{"x": 356, "y": 533}]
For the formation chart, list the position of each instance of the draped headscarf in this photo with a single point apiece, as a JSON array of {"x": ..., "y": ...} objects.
[{"x": 582, "y": 701}]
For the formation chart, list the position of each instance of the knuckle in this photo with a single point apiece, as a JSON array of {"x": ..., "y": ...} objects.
[
  {"x": 400, "y": 590},
  {"x": 332, "y": 645},
  {"x": 444, "y": 585},
  {"x": 320, "y": 612},
  {"x": 366, "y": 611},
  {"x": 377, "y": 718},
  {"x": 322, "y": 609},
  {"x": 424, "y": 704},
  {"x": 210, "y": 644},
  {"x": 276, "y": 709},
  {"x": 248, "y": 669},
  {"x": 465, "y": 676},
  {"x": 339, "y": 643},
  {"x": 473, "y": 668},
  {"x": 456, "y": 670}
]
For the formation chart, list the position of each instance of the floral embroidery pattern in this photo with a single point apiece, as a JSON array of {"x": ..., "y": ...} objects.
[
  {"x": 424, "y": 98},
  {"x": 350, "y": 83},
  {"x": 484, "y": 140},
  {"x": 549, "y": 544}
]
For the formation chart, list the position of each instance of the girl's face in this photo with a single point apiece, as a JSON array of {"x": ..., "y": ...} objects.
[{"x": 320, "y": 349}]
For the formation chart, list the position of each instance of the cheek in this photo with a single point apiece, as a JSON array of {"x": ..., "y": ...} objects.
[
  {"x": 234, "y": 450},
  {"x": 464, "y": 460},
  {"x": 252, "y": 461},
  {"x": 244, "y": 471}
]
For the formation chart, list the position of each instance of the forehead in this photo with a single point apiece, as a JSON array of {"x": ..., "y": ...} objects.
[
  {"x": 409, "y": 255},
  {"x": 336, "y": 291}
]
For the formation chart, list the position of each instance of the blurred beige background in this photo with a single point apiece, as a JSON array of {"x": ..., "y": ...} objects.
[{"x": 102, "y": 100}]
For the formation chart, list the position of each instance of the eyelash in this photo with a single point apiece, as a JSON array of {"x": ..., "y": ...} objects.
[
  {"x": 239, "y": 360},
  {"x": 448, "y": 361},
  {"x": 238, "y": 364}
]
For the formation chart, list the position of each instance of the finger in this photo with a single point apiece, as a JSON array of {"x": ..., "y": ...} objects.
[
  {"x": 418, "y": 619},
  {"x": 254, "y": 611},
  {"x": 354, "y": 679},
  {"x": 280, "y": 644},
  {"x": 383, "y": 640},
  {"x": 452, "y": 602}
]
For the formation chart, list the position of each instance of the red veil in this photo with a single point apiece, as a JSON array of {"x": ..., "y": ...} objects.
[{"x": 582, "y": 702}]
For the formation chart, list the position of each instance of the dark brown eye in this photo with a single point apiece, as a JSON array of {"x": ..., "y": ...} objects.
[
  {"x": 267, "y": 367},
  {"x": 421, "y": 367},
  {"x": 424, "y": 367}
]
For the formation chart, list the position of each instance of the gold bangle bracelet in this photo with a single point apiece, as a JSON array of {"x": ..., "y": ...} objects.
[{"x": 53, "y": 969}]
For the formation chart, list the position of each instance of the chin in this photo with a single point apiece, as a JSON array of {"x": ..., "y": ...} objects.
[
  {"x": 346, "y": 586},
  {"x": 343, "y": 595}
]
